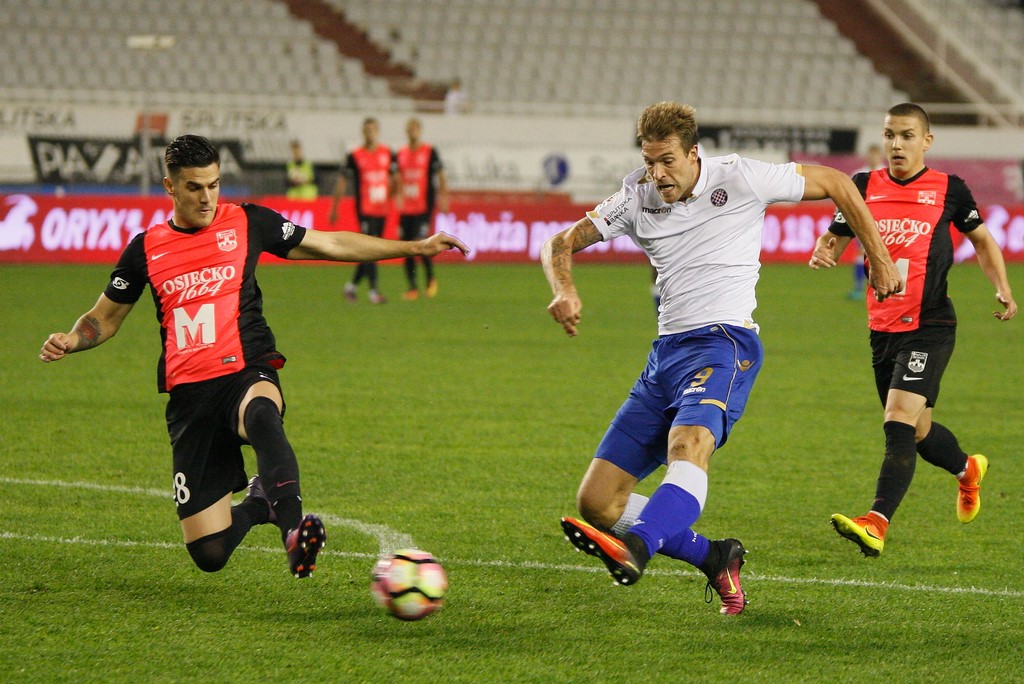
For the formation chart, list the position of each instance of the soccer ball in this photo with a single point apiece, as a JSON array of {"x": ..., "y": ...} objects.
[{"x": 409, "y": 583}]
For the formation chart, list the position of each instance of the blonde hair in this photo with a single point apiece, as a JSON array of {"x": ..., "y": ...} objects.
[{"x": 666, "y": 119}]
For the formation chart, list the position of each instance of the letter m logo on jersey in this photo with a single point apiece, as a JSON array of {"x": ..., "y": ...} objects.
[{"x": 195, "y": 331}]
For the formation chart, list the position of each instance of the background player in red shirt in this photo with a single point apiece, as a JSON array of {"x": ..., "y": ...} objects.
[
  {"x": 219, "y": 361},
  {"x": 913, "y": 332},
  {"x": 374, "y": 176},
  {"x": 419, "y": 166}
]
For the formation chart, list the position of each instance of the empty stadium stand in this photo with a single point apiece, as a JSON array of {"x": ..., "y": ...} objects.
[{"x": 769, "y": 61}]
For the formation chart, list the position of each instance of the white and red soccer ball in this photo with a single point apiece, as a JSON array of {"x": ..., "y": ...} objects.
[{"x": 409, "y": 583}]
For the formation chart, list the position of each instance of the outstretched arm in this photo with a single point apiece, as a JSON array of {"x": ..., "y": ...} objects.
[
  {"x": 346, "y": 245},
  {"x": 556, "y": 258},
  {"x": 95, "y": 327},
  {"x": 825, "y": 182},
  {"x": 828, "y": 249},
  {"x": 990, "y": 258}
]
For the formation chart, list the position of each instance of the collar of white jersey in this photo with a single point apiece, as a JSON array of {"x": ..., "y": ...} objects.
[{"x": 702, "y": 182}]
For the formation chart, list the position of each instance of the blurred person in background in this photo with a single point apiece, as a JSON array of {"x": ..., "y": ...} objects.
[
  {"x": 913, "y": 332},
  {"x": 372, "y": 171},
  {"x": 456, "y": 101},
  {"x": 300, "y": 174},
  {"x": 872, "y": 160},
  {"x": 699, "y": 221},
  {"x": 423, "y": 186},
  {"x": 219, "y": 361}
]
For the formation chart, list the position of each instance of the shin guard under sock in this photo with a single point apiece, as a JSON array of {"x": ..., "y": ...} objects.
[
  {"x": 670, "y": 512},
  {"x": 275, "y": 458},
  {"x": 941, "y": 448},
  {"x": 897, "y": 469}
]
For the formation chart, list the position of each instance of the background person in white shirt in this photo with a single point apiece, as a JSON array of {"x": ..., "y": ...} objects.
[
  {"x": 699, "y": 220},
  {"x": 456, "y": 101}
]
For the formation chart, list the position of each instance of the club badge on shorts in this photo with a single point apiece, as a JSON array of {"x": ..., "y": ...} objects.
[{"x": 917, "y": 361}]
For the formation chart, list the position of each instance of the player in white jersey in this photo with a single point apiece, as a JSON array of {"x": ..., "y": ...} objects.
[{"x": 699, "y": 221}]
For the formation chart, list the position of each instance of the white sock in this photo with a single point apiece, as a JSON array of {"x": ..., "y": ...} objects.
[
  {"x": 634, "y": 505},
  {"x": 689, "y": 477}
]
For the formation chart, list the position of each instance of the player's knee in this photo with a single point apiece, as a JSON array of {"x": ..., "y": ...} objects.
[
  {"x": 209, "y": 553},
  {"x": 262, "y": 417}
]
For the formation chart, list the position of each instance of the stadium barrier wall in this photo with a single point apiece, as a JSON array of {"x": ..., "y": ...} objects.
[{"x": 47, "y": 229}]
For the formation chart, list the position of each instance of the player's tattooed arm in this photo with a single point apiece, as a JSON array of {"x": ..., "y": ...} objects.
[
  {"x": 556, "y": 258},
  {"x": 88, "y": 330},
  {"x": 93, "y": 328},
  {"x": 556, "y": 255}
]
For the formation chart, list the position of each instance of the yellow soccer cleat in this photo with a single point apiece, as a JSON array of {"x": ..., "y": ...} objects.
[
  {"x": 968, "y": 498},
  {"x": 866, "y": 531}
]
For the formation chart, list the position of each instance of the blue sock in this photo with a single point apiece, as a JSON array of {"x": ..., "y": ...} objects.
[
  {"x": 687, "y": 546},
  {"x": 670, "y": 511}
]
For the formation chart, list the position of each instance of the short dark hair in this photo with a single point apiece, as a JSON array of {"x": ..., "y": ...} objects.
[
  {"x": 911, "y": 109},
  {"x": 188, "y": 152}
]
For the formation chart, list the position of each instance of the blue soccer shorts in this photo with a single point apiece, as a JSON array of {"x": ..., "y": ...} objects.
[{"x": 699, "y": 377}]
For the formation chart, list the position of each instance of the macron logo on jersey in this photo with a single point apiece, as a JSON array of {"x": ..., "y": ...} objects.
[{"x": 287, "y": 230}]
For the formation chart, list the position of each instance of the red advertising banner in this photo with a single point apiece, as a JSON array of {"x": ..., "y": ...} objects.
[{"x": 45, "y": 229}]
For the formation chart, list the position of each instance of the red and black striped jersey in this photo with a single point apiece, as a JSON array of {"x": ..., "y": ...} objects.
[
  {"x": 417, "y": 168},
  {"x": 914, "y": 218},
  {"x": 371, "y": 171},
  {"x": 203, "y": 281}
]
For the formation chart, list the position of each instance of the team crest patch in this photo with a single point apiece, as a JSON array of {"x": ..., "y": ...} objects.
[
  {"x": 719, "y": 197},
  {"x": 926, "y": 197},
  {"x": 227, "y": 240},
  {"x": 917, "y": 361},
  {"x": 287, "y": 229}
]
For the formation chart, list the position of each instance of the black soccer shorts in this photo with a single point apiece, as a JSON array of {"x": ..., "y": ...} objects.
[
  {"x": 912, "y": 361},
  {"x": 202, "y": 421}
]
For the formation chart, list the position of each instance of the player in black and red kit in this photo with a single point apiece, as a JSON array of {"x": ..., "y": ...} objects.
[
  {"x": 419, "y": 165},
  {"x": 913, "y": 332},
  {"x": 373, "y": 171},
  {"x": 219, "y": 361}
]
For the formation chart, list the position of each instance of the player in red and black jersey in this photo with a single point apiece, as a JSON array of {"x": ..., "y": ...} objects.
[
  {"x": 424, "y": 187},
  {"x": 219, "y": 359},
  {"x": 913, "y": 332},
  {"x": 373, "y": 172}
]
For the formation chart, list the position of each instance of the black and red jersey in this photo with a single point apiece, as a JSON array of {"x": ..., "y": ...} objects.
[
  {"x": 203, "y": 281},
  {"x": 371, "y": 171},
  {"x": 913, "y": 217},
  {"x": 417, "y": 167}
]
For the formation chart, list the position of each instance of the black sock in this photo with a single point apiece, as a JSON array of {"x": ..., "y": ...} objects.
[
  {"x": 428, "y": 266},
  {"x": 637, "y": 547},
  {"x": 275, "y": 460},
  {"x": 410, "y": 272},
  {"x": 371, "y": 273},
  {"x": 288, "y": 511},
  {"x": 941, "y": 448},
  {"x": 254, "y": 509},
  {"x": 897, "y": 469}
]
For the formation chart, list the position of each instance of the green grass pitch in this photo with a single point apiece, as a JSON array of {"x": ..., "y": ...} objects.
[{"x": 463, "y": 424}]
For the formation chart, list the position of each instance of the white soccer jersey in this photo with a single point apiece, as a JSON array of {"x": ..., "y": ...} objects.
[{"x": 705, "y": 249}]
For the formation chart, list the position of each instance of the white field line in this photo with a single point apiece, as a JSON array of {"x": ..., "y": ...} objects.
[{"x": 390, "y": 540}]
